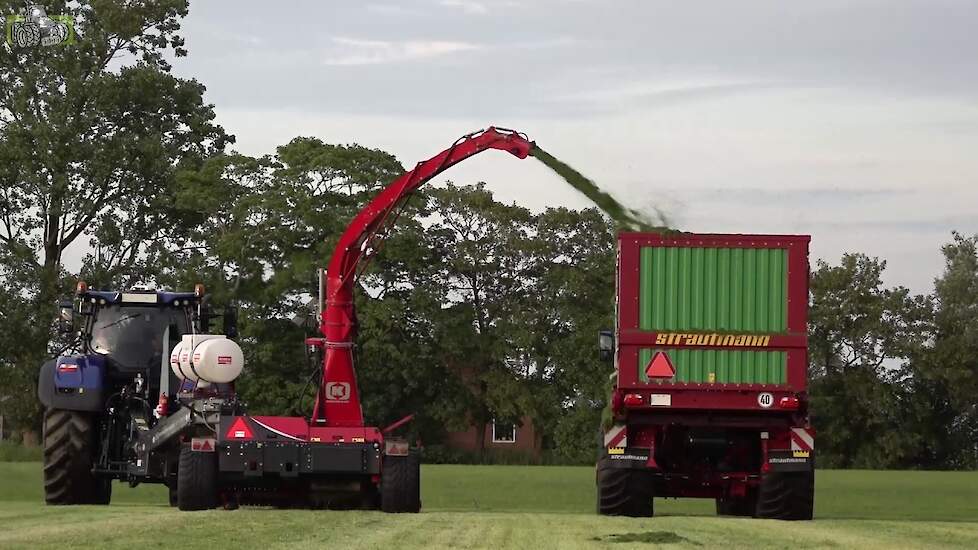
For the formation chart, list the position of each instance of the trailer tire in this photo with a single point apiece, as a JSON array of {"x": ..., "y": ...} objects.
[
  {"x": 745, "y": 506},
  {"x": 400, "y": 484},
  {"x": 70, "y": 443},
  {"x": 623, "y": 491},
  {"x": 787, "y": 496},
  {"x": 196, "y": 480}
]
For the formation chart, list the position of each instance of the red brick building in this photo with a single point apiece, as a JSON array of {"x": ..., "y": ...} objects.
[{"x": 499, "y": 435}]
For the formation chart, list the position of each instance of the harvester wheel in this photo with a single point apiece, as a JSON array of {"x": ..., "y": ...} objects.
[
  {"x": 745, "y": 506},
  {"x": 196, "y": 480},
  {"x": 400, "y": 484},
  {"x": 623, "y": 491},
  {"x": 787, "y": 495},
  {"x": 70, "y": 442}
]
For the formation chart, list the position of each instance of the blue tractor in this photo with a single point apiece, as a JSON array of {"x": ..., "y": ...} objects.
[{"x": 105, "y": 403}]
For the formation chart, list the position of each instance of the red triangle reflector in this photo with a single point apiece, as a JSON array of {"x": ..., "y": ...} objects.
[
  {"x": 206, "y": 446},
  {"x": 660, "y": 366},
  {"x": 239, "y": 430}
]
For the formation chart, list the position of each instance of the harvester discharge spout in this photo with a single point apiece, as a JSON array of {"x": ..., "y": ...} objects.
[{"x": 338, "y": 400}]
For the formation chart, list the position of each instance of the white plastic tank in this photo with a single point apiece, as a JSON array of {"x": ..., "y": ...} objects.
[{"x": 207, "y": 359}]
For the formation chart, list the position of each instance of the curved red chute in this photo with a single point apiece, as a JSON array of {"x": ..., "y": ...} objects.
[{"x": 338, "y": 401}]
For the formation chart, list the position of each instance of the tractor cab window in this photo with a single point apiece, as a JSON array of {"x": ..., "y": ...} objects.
[{"x": 132, "y": 337}]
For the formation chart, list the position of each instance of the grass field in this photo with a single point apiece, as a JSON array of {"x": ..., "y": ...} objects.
[{"x": 501, "y": 507}]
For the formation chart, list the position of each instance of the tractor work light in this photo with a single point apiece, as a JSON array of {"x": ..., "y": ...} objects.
[
  {"x": 199, "y": 290},
  {"x": 81, "y": 287}
]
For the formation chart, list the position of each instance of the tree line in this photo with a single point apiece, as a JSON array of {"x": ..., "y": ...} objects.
[{"x": 473, "y": 309}]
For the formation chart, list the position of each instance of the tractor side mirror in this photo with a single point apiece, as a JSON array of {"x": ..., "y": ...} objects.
[
  {"x": 230, "y": 318},
  {"x": 606, "y": 345},
  {"x": 66, "y": 317}
]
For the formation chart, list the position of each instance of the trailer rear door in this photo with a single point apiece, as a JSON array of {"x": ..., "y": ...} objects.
[{"x": 729, "y": 312}]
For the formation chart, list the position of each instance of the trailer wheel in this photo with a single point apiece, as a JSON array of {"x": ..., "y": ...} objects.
[
  {"x": 787, "y": 495},
  {"x": 400, "y": 484},
  {"x": 196, "y": 480},
  {"x": 70, "y": 444},
  {"x": 745, "y": 506},
  {"x": 623, "y": 491}
]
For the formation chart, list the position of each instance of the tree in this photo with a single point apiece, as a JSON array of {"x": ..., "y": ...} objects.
[
  {"x": 946, "y": 373},
  {"x": 91, "y": 135},
  {"x": 861, "y": 336},
  {"x": 255, "y": 231},
  {"x": 481, "y": 277}
]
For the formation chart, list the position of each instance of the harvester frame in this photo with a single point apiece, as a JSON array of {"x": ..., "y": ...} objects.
[{"x": 210, "y": 451}]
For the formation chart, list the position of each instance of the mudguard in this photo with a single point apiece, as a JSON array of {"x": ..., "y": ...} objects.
[{"x": 72, "y": 383}]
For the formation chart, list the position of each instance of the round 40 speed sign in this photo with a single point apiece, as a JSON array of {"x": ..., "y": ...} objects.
[{"x": 765, "y": 400}]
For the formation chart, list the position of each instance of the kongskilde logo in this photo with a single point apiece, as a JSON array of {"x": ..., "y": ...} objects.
[
  {"x": 34, "y": 27},
  {"x": 338, "y": 391}
]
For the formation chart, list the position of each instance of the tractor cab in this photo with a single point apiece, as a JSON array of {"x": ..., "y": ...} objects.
[
  {"x": 128, "y": 329},
  {"x": 119, "y": 337}
]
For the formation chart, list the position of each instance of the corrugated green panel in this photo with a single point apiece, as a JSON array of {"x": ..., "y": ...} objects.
[
  {"x": 645, "y": 286},
  {"x": 724, "y": 289},
  {"x": 659, "y": 285},
  {"x": 727, "y": 366}
]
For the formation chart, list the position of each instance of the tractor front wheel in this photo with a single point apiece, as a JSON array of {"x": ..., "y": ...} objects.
[
  {"x": 196, "y": 480},
  {"x": 400, "y": 484},
  {"x": 70, "y": 444}
]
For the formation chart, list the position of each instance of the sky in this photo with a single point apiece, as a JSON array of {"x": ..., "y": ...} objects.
[{"x": 853, "y": 121}]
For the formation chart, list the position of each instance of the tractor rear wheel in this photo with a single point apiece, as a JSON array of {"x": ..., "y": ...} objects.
[
  {"x": 787, "y": 495},
  {"x": 623, "y": 491},
  {"x": 70, "y": 443},
  {"x": 196, "y": 480},
  {"x": 400, "y": 484}
]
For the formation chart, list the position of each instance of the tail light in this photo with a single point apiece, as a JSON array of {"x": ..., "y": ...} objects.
[
  {"x": 789, "y": 403},
  {"x": 633, "y": 400},
  {"x": 81, "y": 287}
]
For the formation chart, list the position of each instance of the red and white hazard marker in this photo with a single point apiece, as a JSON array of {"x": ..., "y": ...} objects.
[
  {"x": 802, "y": 439},
  {"x": 660, "y": 366}
]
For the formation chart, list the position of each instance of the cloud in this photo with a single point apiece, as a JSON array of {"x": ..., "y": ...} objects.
[
  {"x": 354, "y": 51},
  {"x": 468, "y": 6},
  {"x": 665, "y": 92},
  {"x": 391, "y": 9}
]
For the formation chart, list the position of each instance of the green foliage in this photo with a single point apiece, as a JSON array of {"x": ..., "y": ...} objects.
[
  {"x": 15, "y": 452},
  {"x": 627, "y": 219},
  {"x": 91, "y": 137},
  {"x": 860, "y": 334},
  {"x": 441, "y": 454},
  {"x": 893, "y": 374},
  {"x": 571, "y": 442}
]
